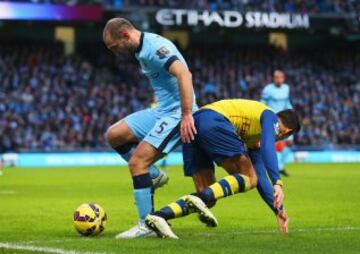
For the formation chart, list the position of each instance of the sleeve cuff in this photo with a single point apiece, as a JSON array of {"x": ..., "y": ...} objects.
[
  {"x": 279, "y": 182},
  {"x": 169, "y": 62}
]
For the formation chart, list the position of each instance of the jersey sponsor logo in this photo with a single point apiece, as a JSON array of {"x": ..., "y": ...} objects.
[
  {"x": 162, "y": 52},
  {"x": 245, "y": 126}
]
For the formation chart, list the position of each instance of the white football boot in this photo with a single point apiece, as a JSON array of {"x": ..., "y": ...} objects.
[
  {"x": 160, "y": 180},
  {"x": 138, "y": 231},
  {"x": 160, "y": 226},
  {"x": 205, "y": 215}
]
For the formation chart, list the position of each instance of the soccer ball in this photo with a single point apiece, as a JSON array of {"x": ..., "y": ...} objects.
[{"x": 90, "y": 219}]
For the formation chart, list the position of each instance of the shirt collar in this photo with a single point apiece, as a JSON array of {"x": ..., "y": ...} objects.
[{"x": 141, "y": 43}]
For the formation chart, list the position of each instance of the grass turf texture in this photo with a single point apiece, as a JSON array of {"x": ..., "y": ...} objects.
[{"x": 323, "y": 202}]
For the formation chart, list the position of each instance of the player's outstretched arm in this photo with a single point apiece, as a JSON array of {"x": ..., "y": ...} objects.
[
  {"x": 184, "y": 77},
  {"x": 266, "y": 191},
  {"x": 269, "y": 124}
]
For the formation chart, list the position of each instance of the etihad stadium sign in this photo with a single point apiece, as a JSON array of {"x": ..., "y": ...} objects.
[{"x": 232, "y": 19}]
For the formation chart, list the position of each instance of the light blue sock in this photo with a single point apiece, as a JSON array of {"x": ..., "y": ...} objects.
[
  {"x": 285, "y": 153},
  {"x": 154, "y": 171},
  {"x": 280, "y": 161},
  {"x": 144, "y": 202}
]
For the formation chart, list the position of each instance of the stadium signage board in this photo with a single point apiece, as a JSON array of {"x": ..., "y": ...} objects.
[
  {"x": 49, "y": 12},
  {"x": 231, "y": 19}
]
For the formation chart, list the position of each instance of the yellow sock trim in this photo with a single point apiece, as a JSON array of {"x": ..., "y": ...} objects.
[
  {"x": 217, "y": 190},
  {"x": 234, "y": 185},
  {"x": 176, "y": 208},
  {"x": 247, "y": 182}
]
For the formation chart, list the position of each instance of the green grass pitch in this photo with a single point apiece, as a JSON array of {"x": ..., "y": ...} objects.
[{"x": 36, "y": 208}]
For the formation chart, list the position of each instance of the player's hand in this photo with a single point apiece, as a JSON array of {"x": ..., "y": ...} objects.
[
  {"x": 283, "y": 222},
  {"x": 187, "y": 128},
  {"x": 278, "y": 196}
]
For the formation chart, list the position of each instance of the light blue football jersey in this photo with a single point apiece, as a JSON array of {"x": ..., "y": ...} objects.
[
  {"x": 155, "y": 55},
  {"x": 276, "y": 97}
]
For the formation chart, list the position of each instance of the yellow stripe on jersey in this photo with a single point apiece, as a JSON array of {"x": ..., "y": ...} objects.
[{"x": 244, "y": 115}]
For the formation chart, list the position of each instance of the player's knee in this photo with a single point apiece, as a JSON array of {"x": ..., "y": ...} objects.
[
  {"x": 115, "y": 136},
  {"x": 110, "y": 134}
]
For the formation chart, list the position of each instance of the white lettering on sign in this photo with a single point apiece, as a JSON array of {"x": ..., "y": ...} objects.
[{"x": 170, "y": 17}]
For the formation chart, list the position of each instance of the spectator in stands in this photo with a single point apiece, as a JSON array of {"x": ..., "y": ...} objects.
[{"x": 49, "y": 101}]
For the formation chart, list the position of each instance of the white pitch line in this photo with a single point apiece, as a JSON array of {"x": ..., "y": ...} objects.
[
  {"x": 7, "y": 192},
  {"x": 14, "y": 246},
  {"x": 272, "y": 231}
]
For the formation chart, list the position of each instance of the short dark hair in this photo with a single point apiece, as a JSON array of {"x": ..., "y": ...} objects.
[
  {"x": 290, "y": 119},
  {"x": 115, "y": 26}
]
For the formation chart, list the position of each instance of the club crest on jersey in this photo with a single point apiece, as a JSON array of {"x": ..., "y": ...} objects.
[
  {"x": 277, "y": 128},
  {"x": 162, "y": 52}
]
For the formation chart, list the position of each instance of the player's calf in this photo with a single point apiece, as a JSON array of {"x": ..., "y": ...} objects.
[{"x": 241, "y": 165}]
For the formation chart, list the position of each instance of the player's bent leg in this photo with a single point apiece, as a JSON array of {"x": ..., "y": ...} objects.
[
  {"x": 143, "y": 156},
  {"x": 241, "y": 165},
  {"x": 120, "y": 134},
  {"x": 180, "y": 208},
  {"x": 191, "y": 204},
  {"x": 241, "y": 179},
  {"x": 203, "y": 178},
  {"x": 122, "y": 139}
]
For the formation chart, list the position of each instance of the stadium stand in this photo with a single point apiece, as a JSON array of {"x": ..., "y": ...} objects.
[
  {"x": 57, "y": 102},
  {"x": 345, "y": 7}
]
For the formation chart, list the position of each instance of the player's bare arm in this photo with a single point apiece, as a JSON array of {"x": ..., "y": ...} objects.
[{"x": 187, "y": 126}]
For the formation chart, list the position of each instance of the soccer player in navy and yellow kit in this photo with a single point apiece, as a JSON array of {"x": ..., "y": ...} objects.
[{"x": 237, "y": 135}]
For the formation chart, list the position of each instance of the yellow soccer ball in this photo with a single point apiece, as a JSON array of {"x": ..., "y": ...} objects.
[{"x": 90, "y": 219}]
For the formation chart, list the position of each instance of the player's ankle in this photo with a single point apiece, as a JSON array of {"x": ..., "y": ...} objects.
[
  {"x": 208, "y": 202},
  {"x": 161, "y": 214}
]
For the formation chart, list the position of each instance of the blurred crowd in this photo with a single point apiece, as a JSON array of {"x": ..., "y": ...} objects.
[
  {"x": 49, "y": 101},
  {"x": 302, "y": 6}
]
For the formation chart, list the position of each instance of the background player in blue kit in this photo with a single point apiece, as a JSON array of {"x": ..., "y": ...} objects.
[
  {"x": 277, "y": 96},
  {"x": 145, "y": 136}
]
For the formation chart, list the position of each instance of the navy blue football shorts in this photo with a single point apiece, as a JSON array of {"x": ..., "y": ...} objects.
[{"x": 215, "y": 141}]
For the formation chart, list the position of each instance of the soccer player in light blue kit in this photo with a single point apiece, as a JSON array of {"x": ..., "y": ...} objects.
[
  {"x": 145, "y": 136},
  {"x": 277, "y": 96}
]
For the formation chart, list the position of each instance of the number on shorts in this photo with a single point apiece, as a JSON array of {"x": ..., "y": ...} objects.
[{"x": 161, "y": 127}]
